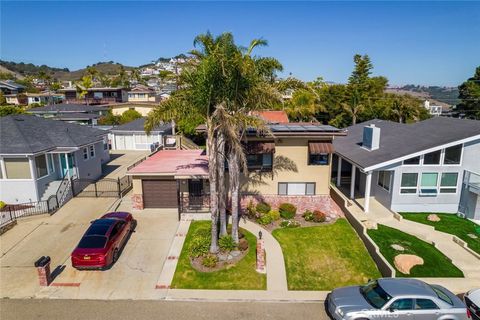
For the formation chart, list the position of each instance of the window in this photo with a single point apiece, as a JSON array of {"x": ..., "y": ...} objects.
[
  {"x": 432, "y": 158},
  {"x": 92, "y": 151},
  {"x": 41, "y": 165},
  {"x": 425, "y": 304},
  {"x": 412, "y": 161},
  {"x": 428, "y": 185},
  {"x": 448, "y": 182},
  {"x": 384, "y": 180},
  {"x": 85, "y": 153},
  {"x": 402, "y": 304},
  {"x": 17, "y": 168},
  {"x": 453, "y": 155},
  {"x": 50, "y": 163},
  {"x": 260, "y": 161},
  {"x": 409, "y": 183},
  {"x": 294, "y": 188},
  {"x": 318, "y": 159}
]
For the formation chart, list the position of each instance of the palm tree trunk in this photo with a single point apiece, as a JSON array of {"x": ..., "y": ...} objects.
[
  {"x": 354, "y": 119},
  {"x": 212, "y": 173},
  {"x": 234, "y": 176},
  {"x": 222, "y": 194}
]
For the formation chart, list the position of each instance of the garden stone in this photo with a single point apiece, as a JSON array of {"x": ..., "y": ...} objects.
[
  {"x": 433, "y": 218},
  {"x": 405, "y": 262},
  {"x": 229, "y": 257},
  {"x": 235, "y": 253},
  {"x": 328, "y": 219},
  {"x": 222, "y": 257},
  {"x": 397, "y": 247},
  {"x": 369, "y": 224},
  {"x": 471, "y": 235}
]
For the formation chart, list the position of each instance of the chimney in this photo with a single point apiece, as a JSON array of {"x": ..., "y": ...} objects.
[{"x": 371, "y": 137}]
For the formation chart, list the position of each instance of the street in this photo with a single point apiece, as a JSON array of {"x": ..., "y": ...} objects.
[{"x": 138, "y": 310}]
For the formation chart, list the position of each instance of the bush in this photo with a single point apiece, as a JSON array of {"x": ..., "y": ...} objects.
[
  {"x": 243, "y": 244},
  {"x": 264, "y": 219},
  {"x": 287, "y": 210},
  {"x": 251, "y": 211},
  {"x": 199, "y": 246},
  {"x": 2, "y": 204},
  {"x": 289, "y": 224},
  {"x": 210, "y": 261},
  {"x": 274, "y": 214},
  {"x": 319, "y": 216},
  {"x": 226, "y": 243},
  {"x": 263, "y": 207},
  {"x": 308, "y": 215}
]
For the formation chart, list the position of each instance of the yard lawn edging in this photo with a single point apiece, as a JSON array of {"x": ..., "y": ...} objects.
[
  {"x": 316, "y": 258},
  {"x": 241, "y": 276}
]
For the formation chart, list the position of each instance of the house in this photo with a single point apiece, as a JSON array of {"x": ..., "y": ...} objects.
[
  {"x": 292, "y": 164},
  {"x": 132, "y": 136},
  {"x": 142, "y": 93},
  {"x": 433, "y": 109},
  {"x": 13, "y": 92},
  {"x": 37, "y": 153},
  {"x": 96, "y": 95},
  {"x": 141, "y": 107},
  {"x": 428, "y": 166},
  {"x": 79, "y": 113},
  {"x": 18, "y": 99},
  {"x": 272, "y": 116},
  {"x": 43, "y": 98}
]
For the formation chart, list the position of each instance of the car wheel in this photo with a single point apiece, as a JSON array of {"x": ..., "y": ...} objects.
[{"x": 115, "y": 256}]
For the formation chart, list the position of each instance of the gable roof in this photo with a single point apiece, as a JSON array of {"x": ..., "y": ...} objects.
[
  {"x": 399, "y": 140},
  {"x": 269, "y": 116},
  {"x": 27, "y": 134},
  {"x": 11, "y": 85},
  {"x": 138, "y": 125},
  {"x": 68, "y": 107}
]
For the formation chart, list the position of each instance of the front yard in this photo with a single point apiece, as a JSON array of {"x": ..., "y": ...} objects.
[
  {"x": 436, "y": 264},
  {"x": 450, "y": 223},
  {"x": 241, "y": 276},
  {"x": 325, "y": 257}
]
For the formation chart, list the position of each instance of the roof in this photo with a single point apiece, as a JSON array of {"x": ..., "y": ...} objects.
[
  {"x": 142, "y": 89},
  {"x": 174, "y": 163},
  {"x": 270, "y": 116},
  {"x": 397, "y": 287},
  {"x": 44, "y": 94},
  {"x": 138, "y": 125},
  {"x": 12, "y": 85},
  {"x": 28, "y": 134},
  {"x": 76, "y": 116},
  {"x": 399, "y": 140},
  {"x": 95, "y": 89},
  {"x": 67, "y": 107}
]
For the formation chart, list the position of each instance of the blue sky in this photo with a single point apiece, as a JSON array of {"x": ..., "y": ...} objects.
[{"x": 433, "y": 43}]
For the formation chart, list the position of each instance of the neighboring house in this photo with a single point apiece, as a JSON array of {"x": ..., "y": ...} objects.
[
  {"x": 43, "y": 98},
  {"x": 142, "y": 93},
  {"x": 78, "y": 113},
  {"x": 273, "y": 116},
  {"x": 291, "y": 165},
  {"x": 97, "y": 95},
  {"x": 428, "y": 166},
  {"x": 433, "y": 109},
  {"x": 36, "y": 154},
  {"x": 132, "y": 136},
  {"x": 11, "y": 87},
  {"x": 18, "y": 99},
  {"x": 141, "y": 107}
]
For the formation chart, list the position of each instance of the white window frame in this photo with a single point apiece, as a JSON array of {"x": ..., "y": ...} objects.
[
  {"x": 86, "y": 153},
  {"x": 461, "y": 156},
  {"x": 46, "y": 163},
  {"x": 432, "y": 165},
  {"x": 455, "y": 187},
  {"x": 432, "y": 188},
  {"x": 389, "y": 180},
  {"x": 304, "y": 194},
  {"x": 91, "y": 149},
  {"x": 413, "y": 165},
  {"x": 410, "y": 188}
]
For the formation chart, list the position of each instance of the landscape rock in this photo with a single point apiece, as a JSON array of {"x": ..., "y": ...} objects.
[
  {"x": 229, "y": 257},
  {"x": 398, "y": 247},
  {"x": 222, "y": 257},
  {"x": 433, "y": 218},
  {"x": 471, "y": 235},
  {"x": 370, "y": 224},
  {"x": 235, "y": 253},
  {"x": 405, "y": 262}
]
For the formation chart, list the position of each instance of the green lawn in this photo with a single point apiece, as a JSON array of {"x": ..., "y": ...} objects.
[
  {"x": 325, "y": 257},
  {"x": 242, "y": 276},
  {"x": 436, "y": 264},
  {"x": 449, "y": 223}
]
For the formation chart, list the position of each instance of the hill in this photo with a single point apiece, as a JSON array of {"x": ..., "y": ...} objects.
[{"x": 444, "y": 95}]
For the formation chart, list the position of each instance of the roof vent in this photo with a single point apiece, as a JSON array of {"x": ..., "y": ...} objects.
[{"x": 371, "y": 137}]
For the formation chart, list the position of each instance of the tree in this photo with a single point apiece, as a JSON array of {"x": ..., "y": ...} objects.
[
  {"x": 469, "y": 93},
  {"x": 110, "y": 119},
  {"x": 130, "y": 115},
  {"x": 2, "y": 99},
  {"x": 9, "y": 110},
  {"x": 82, "y": 87}
]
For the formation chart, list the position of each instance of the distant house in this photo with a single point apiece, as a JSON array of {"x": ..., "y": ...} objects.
[
  {"x": 36, "y": 154},
  {"x": 78, "y": 113},
  {"x": 433, "y": 109},
  {"x": 96, "y": 95},
  {"x": 132, "y": 136},
  {"x": 272, "y": 116},
  {"x": 43, "y": 98},
  {"x": 142, "y": 93},
  {"x": 13, "y": 92},
  {"x": 428, "y": 166}
]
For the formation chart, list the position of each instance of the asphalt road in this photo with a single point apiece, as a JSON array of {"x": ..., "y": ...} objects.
[{"x": 139, "y": 310}]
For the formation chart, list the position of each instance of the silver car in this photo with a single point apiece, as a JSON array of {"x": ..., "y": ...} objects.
[{"x": 395, "y": 298}]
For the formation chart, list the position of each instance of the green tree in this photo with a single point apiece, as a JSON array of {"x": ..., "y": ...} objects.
[
  {"x": 469, "y": 93},
  {"x": 110, "y": 119},
  {"x": 9, "y": 110},
  {"x": 2, "y": 99},
  {"x": 82, "y": 87},
  {"x": 130, "y": 115}
]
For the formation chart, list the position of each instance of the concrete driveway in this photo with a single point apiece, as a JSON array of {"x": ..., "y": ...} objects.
[{"x": 133, "y": 276}]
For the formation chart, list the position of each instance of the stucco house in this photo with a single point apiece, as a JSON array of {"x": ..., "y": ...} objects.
[
  {"x": 104, "y": 95},
  {"x": 37, "y": 153},
  {"x": 292, "y": 164},
  {"x": 141, "y": 93},
  {"x": 141, "y": 107},
  {"x": 77, "y": 113},
  {"x": 428, "y": 166},
  {"x": 132, "y": 136}
]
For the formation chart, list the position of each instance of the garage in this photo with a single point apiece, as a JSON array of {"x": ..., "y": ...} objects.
[{"x": 160, "y": 194}]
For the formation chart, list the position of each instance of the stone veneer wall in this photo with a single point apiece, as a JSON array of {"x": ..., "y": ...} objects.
[
  {"x": 137, "y": 201},
  {"x": 323, "y": 203}
]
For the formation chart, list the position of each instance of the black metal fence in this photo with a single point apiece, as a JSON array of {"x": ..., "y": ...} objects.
[
  {"x": 189, "y": 203},
  {"x": 12, "y": 212},
  {"x": 107, "y": 188}
]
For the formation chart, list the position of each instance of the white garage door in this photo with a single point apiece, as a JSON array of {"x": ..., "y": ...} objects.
[{"x": 124, "y": 142}]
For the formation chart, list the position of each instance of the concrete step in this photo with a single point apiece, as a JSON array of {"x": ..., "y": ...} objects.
[{"x": 51, "y": 189}]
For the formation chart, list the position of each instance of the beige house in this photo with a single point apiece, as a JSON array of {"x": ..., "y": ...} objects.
[
  {"x": 142, "y": 93},
  {"x": 142, "y": 107}
]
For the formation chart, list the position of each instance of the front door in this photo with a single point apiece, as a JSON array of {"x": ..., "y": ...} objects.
[
  {"x": 195, "y": 193},
  {"x": 63, "y": 163}
]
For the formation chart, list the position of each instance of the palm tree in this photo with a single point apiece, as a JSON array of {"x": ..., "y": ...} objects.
[
  {"x": 353, "y": 106},
  {"x": 82, "y": 87}
]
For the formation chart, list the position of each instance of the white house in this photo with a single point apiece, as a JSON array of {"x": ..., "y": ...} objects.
[{"x": 132, "y": 136}]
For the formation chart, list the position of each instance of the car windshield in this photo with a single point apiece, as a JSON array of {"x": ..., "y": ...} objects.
[
  {"x": 442, "y": 295},
  {"x": 374, "y": 294},
  {"x": 92, "y": 242}
]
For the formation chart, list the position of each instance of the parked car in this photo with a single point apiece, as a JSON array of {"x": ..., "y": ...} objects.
[
  {"x": 395, "y": 298},
  {"x": 101, "y": 244},
  {"x": 472, "y": 300}
]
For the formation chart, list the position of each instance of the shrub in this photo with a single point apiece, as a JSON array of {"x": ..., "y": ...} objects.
[
  {"x": 226, "y": 243},
  {"x": 287, "y": 210},
  {"x": 308, "y": 215},
  {"x": 209, "y": 261},
  {"x": 319, "y": 216},
  {"x": 199, "y": 246},
  {"x": 251, "y": 211},
  {"x": 2, "y": 204},
  {"x": 274, "y": 214},
  {"x": 289, "y": 224},
  {"x": 243, "y": 244},
  {"x": 264, "y": 219},
  {"x": 263, "y": 207}
]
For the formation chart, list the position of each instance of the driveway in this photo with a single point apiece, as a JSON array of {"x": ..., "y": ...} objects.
[{"x": 133, "y": 276}]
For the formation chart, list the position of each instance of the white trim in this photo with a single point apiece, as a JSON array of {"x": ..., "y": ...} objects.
[
  {"x": 83, "y": 153},
  {"x": 411, "y": 188},
  {"x": 411, "y": 155},
  {"x": 453, "y": 165}
]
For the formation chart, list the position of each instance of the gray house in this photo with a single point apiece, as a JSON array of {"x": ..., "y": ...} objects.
[
  {"x": 428, "y": 166},
  {"x": 78, "y": 113},
  {"x": 37, "y": 153},
  {"x": 132, "y": 136}
]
